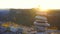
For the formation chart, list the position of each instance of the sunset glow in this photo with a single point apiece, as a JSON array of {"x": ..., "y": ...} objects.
[{"x": 44, "y": 4}]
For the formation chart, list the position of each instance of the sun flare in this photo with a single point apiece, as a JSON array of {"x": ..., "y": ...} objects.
[{"x": 44, "y": 4}]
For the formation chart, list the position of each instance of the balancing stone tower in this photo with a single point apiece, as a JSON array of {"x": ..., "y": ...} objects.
[{"x": 41, "y": 23}]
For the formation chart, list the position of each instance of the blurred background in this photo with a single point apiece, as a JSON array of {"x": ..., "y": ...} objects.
[{"x": 23, "y": 12}]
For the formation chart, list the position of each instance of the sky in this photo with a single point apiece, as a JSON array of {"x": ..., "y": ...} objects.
[
  {"x": 17, "y": 3},
  {"x": 24, "y": 4}
]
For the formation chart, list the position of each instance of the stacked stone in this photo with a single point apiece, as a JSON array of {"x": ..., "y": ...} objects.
[{"x": 41, "y": 23}]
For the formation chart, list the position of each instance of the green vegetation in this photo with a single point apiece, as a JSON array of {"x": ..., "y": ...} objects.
[{"x": 22, "y": 16}]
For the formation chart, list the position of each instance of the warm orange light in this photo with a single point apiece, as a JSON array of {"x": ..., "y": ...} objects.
[
  {"x": 48, "y": 4},
  {"x": 42, "y": 10}
]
